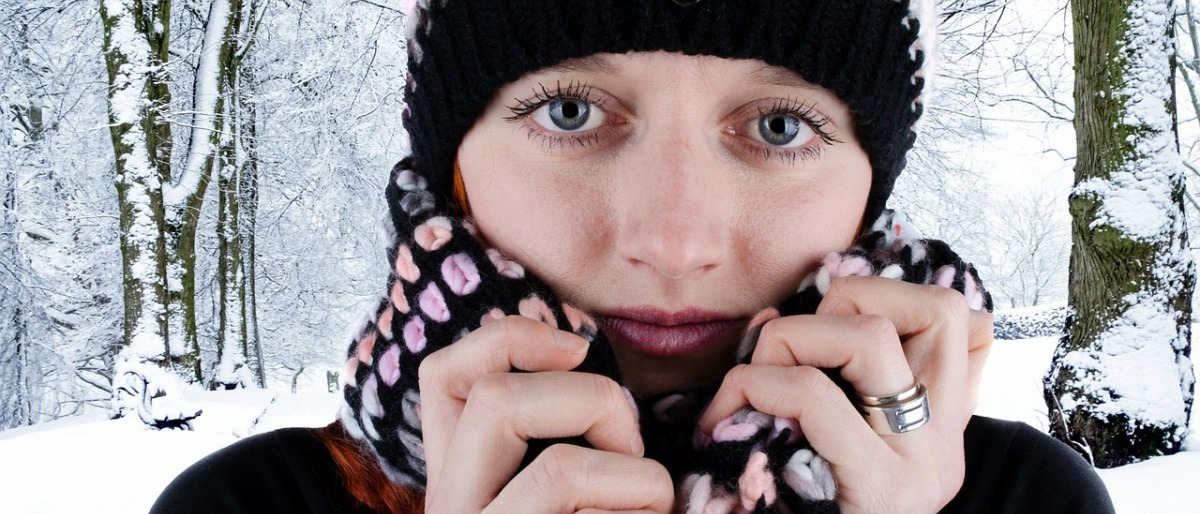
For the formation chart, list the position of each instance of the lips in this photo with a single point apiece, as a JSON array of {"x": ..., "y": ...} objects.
[{"x": 663, "y": 334}]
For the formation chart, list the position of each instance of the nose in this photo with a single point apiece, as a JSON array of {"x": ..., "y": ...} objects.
[{"x": 675, "y": 213}]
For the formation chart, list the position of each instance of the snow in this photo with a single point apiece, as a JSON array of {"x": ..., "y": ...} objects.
[
  {"x": 1134, "y": 347},
  {"x": 100, "y": 458},
  {"x": 120, "y": 466},
  {"x": 1012, "y": 389}
]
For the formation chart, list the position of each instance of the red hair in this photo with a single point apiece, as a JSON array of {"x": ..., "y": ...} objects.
[
  {"x": 460, "y": 191},
  {"x": 363, "y": 478}
]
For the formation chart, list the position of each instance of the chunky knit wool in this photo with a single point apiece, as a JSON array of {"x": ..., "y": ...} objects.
[
  {"x": 445, "y": 282},
  {"x": 874, "y": 54}
]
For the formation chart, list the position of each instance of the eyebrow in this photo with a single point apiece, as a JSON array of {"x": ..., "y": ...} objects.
[
  {"x": 590, "y": 64},
  {"x": 776, "y": 76}
]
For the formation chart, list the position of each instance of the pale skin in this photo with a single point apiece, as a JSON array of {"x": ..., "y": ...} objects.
[{"x": 671, "y": 196}]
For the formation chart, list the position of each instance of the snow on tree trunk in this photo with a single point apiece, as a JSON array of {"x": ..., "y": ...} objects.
[
  {"x": 186, "y": 195},
  {"x": 247, "y": 160},
  {"x": 248, "y": 199},
  {"x": 1119, "y": 389},
  {"x": 233, "y": 367},
  {"x": 135, "y": 102}
]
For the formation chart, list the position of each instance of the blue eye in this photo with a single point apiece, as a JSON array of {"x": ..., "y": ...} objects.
[
  {"x": 779, "y": 129},
  {"x": 569, "y": 115}
]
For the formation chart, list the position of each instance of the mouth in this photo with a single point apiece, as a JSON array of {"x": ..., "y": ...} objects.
[{"x": 659, "y": 333}]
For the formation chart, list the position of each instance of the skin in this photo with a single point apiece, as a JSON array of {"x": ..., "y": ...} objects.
[{"x": 671, "y": 198}]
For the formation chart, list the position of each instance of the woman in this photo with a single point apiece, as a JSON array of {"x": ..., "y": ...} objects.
[{"x": 599, "y": 238}]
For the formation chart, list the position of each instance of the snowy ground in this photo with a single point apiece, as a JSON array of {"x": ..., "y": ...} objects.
[{"x": 101, "y": 466}]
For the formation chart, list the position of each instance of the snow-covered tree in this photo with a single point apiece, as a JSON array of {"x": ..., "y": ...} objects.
[
  {"x": 1120, "y": 386},
  {"x": 136, "y": 39}
]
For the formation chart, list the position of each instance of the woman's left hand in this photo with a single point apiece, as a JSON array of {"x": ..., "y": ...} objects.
[{"x": 882, "y": 334}]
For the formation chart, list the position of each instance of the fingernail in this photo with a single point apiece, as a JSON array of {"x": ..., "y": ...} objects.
[
  {"x": 637, "y": 447},
  {"x": 570, "y": 343},
  {"x": 637, "y": 415}
]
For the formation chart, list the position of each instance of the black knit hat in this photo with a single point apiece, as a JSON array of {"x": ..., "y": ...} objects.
[{"x": 871, "y": 53}]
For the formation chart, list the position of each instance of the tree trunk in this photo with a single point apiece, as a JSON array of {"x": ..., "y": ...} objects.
[
  {"x": 135, "y": 50},
  {"x": 237, "y": 366},
  {"x": 248, "y": 199},
  {"x": 209, "y": 122},
  {"x": 247, "y": 119},
  {"x": 1119, "y": 389}
]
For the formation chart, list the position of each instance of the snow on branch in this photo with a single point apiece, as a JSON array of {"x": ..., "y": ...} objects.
[{"x": 206, "y": 92}]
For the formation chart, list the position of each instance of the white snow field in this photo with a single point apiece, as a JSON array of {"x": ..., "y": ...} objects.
[{"x": 95, "y": 465}]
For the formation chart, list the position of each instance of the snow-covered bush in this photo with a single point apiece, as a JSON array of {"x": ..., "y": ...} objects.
[
  {"x": 154, "y": 393},
  {"x": 1028, "y": 322}
]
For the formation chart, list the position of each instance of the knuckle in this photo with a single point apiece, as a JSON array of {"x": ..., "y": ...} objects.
[
  {"x": 876, "y": 330},
  {"x": 490, "y": 396},
  {"x": 838, "y": 285},
  {"x": 808, "y": 378},
  {"x": 557, "y": 467},
  {"x": 737, "y": 376},
  {"x": 772, "y": 345},
  {"x": 492, "y": 389},
  {"x": 431, "y": 370},
  {"x": 983, "y": 326},
  {"x": 607, "y": 392},
  {"x": 950, "y": 300},
  {"x": 845, "y": 285},
  {"x": 505, "y": 327}
]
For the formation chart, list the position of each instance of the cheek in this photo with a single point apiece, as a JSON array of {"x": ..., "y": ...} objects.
[
  {"x": 537, "y": 214},
  {"x": 793, "y": 225}
]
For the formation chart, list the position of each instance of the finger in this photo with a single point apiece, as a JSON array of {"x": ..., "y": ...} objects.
[
  {"x": 570, "y": 478},
  {"x": 504, "y": 410},
  {"x": 447, "y": 375},
  {"x": 981, "y": 337},
  {"x": 912, "y": 308},
  {"x": 831, "y": 424},
  {"x": 933, "y": 323},
  {"x": 865, "y": 348}
]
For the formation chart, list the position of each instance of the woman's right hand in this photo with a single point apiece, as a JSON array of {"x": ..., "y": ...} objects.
[{"x": 476, "y": 416}]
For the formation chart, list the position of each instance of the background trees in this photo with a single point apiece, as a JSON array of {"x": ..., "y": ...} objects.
[{"x": 289, "y": 111}]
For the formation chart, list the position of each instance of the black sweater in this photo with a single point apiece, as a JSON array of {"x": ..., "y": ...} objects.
[{"x": 1010, "y": 467}]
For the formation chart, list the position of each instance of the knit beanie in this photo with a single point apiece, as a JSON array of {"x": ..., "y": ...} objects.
[{"x": 873, "y": 54}]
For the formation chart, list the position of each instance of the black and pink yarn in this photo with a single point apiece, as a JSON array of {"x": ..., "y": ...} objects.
[{"x": 445, "y": 282}]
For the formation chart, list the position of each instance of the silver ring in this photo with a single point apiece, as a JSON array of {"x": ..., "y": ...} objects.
[{"x": 899, "y": 413}]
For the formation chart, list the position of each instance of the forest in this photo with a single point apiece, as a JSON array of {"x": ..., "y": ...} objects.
[{"x": 193, "y": 193}]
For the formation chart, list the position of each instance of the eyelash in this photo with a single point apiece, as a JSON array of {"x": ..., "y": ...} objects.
[
  {"x": 573, "y": 91},
  {"x": 806, "y": 112}
]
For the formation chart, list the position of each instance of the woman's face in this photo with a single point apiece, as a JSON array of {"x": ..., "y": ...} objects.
[{"x": 674, "y": 196}]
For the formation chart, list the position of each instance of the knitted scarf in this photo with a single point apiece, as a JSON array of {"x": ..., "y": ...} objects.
[{"x": 445, "y": 282}]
